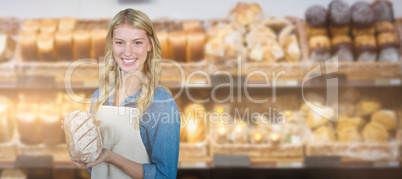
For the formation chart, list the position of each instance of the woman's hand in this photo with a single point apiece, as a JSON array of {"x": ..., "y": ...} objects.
[
  {"x": 105, "y": 157},
  {"x": 78, "y": 164}
]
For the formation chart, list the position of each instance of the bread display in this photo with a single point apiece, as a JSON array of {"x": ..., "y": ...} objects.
[
  {"x": 343, "y": 47},
  {"x": 30, "y": 25},
  {"x": 323, "y": 134},
  {"x": 365, "y": 48},
  {"x": 82, "y": 44},
  {"x": 367, "y": 106},
  {"x": 7, "y": 47},
  {"x": 67, "y": 24},
  {"x": 48, "y": 25},
  {"x": 163, "y": 41},
  {"x": 388, "y": 46},
  {"x": 83, "y": 137},
  {"x": 225, "y": 41},
  {"x": 339, "y": 17},
  {"x": 192, "y": 26},
  {"x": 363, "y": 19},
  {"x": 384, "y": 27},
  {"x": 177, "y": 46},
  {"x": 49, "y": 116},
  {"x": 6, "y": 121}
]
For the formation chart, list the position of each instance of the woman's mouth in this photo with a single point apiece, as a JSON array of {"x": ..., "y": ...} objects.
[{"x": 129, "y": 61}]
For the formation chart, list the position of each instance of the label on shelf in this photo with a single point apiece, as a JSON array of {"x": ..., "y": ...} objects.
[
  {"x": 387, "y": 82},
  {"x": 193, "y": 164},
  {"x": 322, "y": 161},
  {"x": 289, "y": 164},
  {"x": 231, "y": 161},
  {"x": 381, "y": 164}
]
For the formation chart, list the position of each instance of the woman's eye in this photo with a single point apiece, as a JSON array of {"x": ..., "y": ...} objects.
[
  {"x": 137, "y": 43},
  {"x": 118, "y": 43}
]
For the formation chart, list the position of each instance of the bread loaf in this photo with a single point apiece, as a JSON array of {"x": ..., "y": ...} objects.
[{"x": 83, "y": 136}]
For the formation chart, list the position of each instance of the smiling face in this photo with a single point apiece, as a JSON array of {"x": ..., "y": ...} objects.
[{"x": 130, "y": 47}]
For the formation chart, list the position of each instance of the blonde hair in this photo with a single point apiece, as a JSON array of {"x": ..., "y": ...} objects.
[{"x": 110, "y": 75}]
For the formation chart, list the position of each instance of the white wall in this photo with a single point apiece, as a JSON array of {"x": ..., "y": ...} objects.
[{"x": 179, "y": 9}]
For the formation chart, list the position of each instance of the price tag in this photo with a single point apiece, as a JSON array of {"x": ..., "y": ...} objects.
[
  {"x": 193, "y": 164},
  {"x": 395, "y": 81},
  {"x": 322, "y": 161}
]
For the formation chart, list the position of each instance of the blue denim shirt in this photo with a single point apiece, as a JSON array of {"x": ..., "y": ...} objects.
[{"x": 160, "y": 132}]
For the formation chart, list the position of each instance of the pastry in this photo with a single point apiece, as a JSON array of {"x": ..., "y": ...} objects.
[
  {"x": 83, "y": 137},
  {"x": 163, "y": 41},
  {"x": 363, "y": 19},
  {"x": 386, "y": 118},
  {"x": 346, "y": 122},
  {"x": 239, "y": 132},
  {"x": 383, "y": 27},
  {"x": 195, "y": 122},
  {"x": 192, "y": 26},
  {"x": 31, "y": 26},
  {"x": 258, "y": 36},
  {"x": 349, "y": 135},
  {"x": 315, "y": 120},
  {"x": 383, "y": 11},
  {"x": 319, "y": 47},
  {"x": 292, "y": 49},
  {"x": 367, "y": 107},
  {"x": 246, "y": 14},
  {"x": 388, "y": 46},
  {"x": 365, "y": 48},
  {"x": 375, "y": 133},
  {"x": 316, "y": 20},
  {"x": 225, "y": 41},
  {"x": 268, "y": 51},
  {"x": 346, "y": 108},
  {"x": 7, "y": 47},
  {"x": 276, "y": 24},
  {"x": 343, "y": 47},
  {"x": 28, "y": 123},
  {"x": 339, "y": 16},
  {"x": 324, "y": 134}
]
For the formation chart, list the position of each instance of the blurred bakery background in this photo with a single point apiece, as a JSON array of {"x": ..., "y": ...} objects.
[{"x": 248, "y": 117}]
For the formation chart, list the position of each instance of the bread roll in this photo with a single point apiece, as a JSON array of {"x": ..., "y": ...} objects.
[
  {"x": 314, "y": 120},
  {"x": 67, "y": 24},
  {"x": 49, "y": 115},
  {"x": 258, "y": 36},
  {"x": 30, "y": 26},
  {"x": 383, "y": 11},
  {"x": 268, "y": 51},
  {"x": 225, "y": 41},
  {"x": 316, "y": 20},
  {"x": 7, "y": 47},
  {"x": 48, "y": 25},
  {"x": 98, "y": 38},
  {"x": 319, "y": 47},
  {"x": 64, "y": 45},
  {"x": 383, "y": 27},
  {"x": 46, "y": 45},
  {"x": 386, "y": 118},
  {"x": 292, "y": 49},
  {"x": 276, "y": 24},
  {"x": 27, "y": 45},
  {"x": 246, "y": 14},
  {"x": 375, "y": 133},
  {"x": 365, "y": 48},
  {"x": 346, "y": 122},
  {"x": 195, "y": 47},
  {"x": 388, "y": 46},
  {"x": 339, "y": 18},
  {"x": 192, "y": 26},
  {"x": 82, "y": 44},
  {"x": 346, "y": 108},
  {"x": 343, "y": 47},
  {"x": 177, "y": 46},
  {"x": 83, "y": 137},
  {"x": 367, "y": 106},
  {"x": 324, "y": 134},
  {"x": 363, "y": 19},
  {"x": 6, "y": 122}
]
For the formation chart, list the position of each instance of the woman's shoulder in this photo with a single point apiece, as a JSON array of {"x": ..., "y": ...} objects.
[{"x": 161, "y": 93}]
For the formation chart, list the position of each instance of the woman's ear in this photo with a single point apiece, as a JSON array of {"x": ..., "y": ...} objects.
[{"x": 149, "y": 46}]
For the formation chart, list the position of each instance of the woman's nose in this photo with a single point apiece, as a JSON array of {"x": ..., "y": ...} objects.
[{"x": 128, "y": 50}]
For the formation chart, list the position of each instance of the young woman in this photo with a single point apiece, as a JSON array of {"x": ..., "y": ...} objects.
[{"x": 134, "y": 146}]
